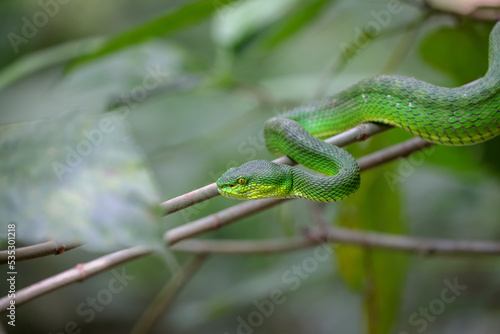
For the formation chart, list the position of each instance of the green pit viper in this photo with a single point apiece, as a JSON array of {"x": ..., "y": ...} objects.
[{"x": 464, "y": 115}]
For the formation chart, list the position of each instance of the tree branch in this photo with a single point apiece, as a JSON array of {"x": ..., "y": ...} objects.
[
  {"x": 39, "y": 250},
  {"x": 358, "y": 133},
  {"x": 239, "y": 211},
  {"x": 78, "y": 273},
  {"x": 83, "y": 271},
  {"x": 421, "y": 246},
  {"x": 167, "y": 294}
]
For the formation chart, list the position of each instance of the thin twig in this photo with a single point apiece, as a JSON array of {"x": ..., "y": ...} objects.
[
  {"x": 358, "y": 133},
  {"x": 421, "y": 246},
  {"x": 167, "y": 294},
  {"x": 236, "y": 212},
  {"x": 83, "y": 271},
  {"x": 39, "y": 250},
  {"x": 78, "y": 273},
  {"x": 406, "y": 41},
  {"x": 351, "y": 50}
]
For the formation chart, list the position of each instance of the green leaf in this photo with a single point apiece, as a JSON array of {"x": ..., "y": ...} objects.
[
  {"x": 461, "y": 52},
  {"x": 294, "y": 22},
  {"x": 265, "y": 24},
  {"x": 245, "y": 22},
  {"x": 385, "y": 270},
  {"x": 37, "y": 61},
  {"x": 185, "y": 16},
  {"x": 379, "y": 274},
  {"x": 77, "y": 177}
]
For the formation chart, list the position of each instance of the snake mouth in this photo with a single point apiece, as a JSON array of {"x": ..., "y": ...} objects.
[
  {"x": 237, "y": 192},
  {"x": 227, "y": 193}
]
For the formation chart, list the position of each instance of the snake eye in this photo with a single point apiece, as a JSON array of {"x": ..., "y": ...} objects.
[{"x": 241, "y": 181}]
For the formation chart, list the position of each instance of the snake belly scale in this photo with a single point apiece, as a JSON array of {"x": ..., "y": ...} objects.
[{"x": 448, "y": 116}]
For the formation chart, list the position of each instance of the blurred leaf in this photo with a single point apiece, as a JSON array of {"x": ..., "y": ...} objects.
[
  {"x": 302, "y": 15},
  {"x": 460, "y": 159},
  {"x": 237, "y": 25},
  {"x": 490, "y": 155},
  {"x": 379, "y": 274},
  {"x": 268, "y": 23},
  {"x": 126, "y": 79},
  {"x": 45, "y": 58},
  {"x": 77, "y": 177},
  {"x": 461, "y": 52},
  {"x": 185, "y": 16},
  {"x": 386, "y": 270}
]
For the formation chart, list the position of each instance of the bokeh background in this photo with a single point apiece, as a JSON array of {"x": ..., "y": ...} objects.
[{"x": 187, "y": 86}]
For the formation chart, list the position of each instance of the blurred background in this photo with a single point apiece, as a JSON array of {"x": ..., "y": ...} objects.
[{"x": 108, "y": 108}]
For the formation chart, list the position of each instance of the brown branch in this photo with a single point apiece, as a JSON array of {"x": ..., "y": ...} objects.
[
  {"x": 39, "y": 250},
  {"x": 401, "y": 150},
  {"x": 421, "y": 246},
  {"x": 83, "y": 271},
  {"x": 215, "y": 221},
  {"x": 239, "y": 211},
  {"x": 78, "y": 273},
  {"x": 171, "y": 289},
  {"x": 358, "y": 133}
]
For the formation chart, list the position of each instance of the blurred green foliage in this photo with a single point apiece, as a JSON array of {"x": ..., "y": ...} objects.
[
  {"x": 377, "y": 206},
  {"x": 188, "y": 85}
]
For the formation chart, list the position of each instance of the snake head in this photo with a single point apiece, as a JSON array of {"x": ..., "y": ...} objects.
[{"x": 256, "y": 179}]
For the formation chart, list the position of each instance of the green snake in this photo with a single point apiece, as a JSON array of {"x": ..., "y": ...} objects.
[{"x": 464, "y": 115}]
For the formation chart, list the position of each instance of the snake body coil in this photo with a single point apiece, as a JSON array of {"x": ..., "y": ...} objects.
[{"x": 449, "y": 116}]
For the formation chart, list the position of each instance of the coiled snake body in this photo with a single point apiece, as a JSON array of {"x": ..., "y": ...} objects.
[{"x": 448, "y": 116}]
